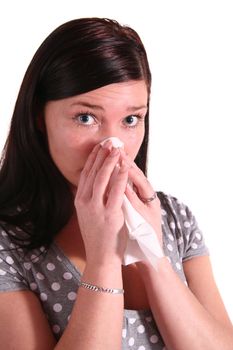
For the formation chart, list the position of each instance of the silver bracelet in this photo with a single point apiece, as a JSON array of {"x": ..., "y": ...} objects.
[{"x": 95, "y": 288}]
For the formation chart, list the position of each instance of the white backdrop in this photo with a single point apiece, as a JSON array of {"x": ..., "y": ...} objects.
[{"x": 190, "y": 48}]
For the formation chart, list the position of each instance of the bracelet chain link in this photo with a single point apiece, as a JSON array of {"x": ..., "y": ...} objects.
[{"x": 95, "y": 288}]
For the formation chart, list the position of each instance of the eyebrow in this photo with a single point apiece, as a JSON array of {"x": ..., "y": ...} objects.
[{"x": 94, "y": 106}]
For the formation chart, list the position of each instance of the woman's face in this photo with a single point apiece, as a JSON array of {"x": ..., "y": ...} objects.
[{"x": 76, "y": 124}]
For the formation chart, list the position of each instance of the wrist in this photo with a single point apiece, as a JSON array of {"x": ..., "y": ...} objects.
[
  {"x": 146, "y": 267},
  {"x": 99, "y": 289},
  {"x": 105, "y": 275},
  {"x": 103, "y": 262}
]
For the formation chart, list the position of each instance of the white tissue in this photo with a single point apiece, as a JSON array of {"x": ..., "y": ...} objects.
[{"x": 142, "y": 243}]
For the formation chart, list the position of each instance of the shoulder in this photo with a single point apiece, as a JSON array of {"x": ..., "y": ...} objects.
[
  {"x": 11, "y": 260},
  {"x": 175, "y": 212},
  {"x": 7, "y": 234},
  {"x": 15, "y": 260},
  {"x": 180, "y": 228},
  {"x": 13, "y": 242},
  {"x": 11, "y": 238}
]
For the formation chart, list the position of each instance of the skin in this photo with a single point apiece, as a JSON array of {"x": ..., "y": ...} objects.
[
  {"x": 196, "y": 320},
  {"x": 73, "y": 145},
  {"x": 71, "y": 140}
]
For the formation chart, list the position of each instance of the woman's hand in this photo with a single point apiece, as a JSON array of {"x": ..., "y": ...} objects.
[
  {"x": 141, "y": 188},
  {"x": 98, "y": 204}
]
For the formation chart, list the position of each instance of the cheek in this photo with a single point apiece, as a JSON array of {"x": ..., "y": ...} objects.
[
  {"x": 77, "y": 150},
  {"x": 133, "y": 143},
  {"x": 69, "y": 150}
]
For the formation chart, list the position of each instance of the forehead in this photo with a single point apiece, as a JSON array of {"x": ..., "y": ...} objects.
[
  {"x": 130, "y": 96},
  {"x": 132, "y": 89}
]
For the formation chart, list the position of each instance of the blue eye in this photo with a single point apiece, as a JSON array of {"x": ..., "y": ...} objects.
[
  {"x": 131, "y": 120},
  {"x": 85, "y": 119}
]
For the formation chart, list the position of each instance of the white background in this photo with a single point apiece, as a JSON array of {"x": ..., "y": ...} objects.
[{"x": 190, "y": 49}]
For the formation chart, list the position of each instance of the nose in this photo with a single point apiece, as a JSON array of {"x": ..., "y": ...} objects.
[
  {"x": 109, "y": 131},
  {"x": 115, "y": 142}
]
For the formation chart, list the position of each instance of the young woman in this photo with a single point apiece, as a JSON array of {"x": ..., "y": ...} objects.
[{"x": 63, "y": 233}]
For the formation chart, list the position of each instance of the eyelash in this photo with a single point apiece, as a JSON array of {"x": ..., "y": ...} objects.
[
  {"x": 75, "y": 118},
  {"x": 140, "y": 118}
]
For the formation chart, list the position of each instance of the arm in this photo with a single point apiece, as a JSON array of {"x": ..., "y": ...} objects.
[
  {"x": 192, "y": 318},
  {"x": 96, "y": 319},
  {"x": 23, "y": 324}
]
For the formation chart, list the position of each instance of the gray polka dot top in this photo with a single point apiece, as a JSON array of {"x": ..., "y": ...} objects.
[{"x": 55, "y": 280}]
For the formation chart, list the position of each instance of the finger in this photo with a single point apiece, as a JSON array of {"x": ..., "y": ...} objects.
[
  {"x": 105, "y": 173},
  {"x": 141, "y": 184},
  {"x": 113, "y": 177},
  {"x": 133, "y": 198},
  {"x": 92, "y": 169},
  {"x": 86, "y": 169},
  {"x": 139, "y": 181},
  {"x": 141, "y": 207},
  {"x": 118, "y": 187}
]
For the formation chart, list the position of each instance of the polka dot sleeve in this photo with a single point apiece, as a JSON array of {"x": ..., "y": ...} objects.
[
  {"x": 183, "y": 239},
  {"x": 188, "y": 236},
  {"x": 11, "y": 271},
  {"x": 194, "y": 243}
]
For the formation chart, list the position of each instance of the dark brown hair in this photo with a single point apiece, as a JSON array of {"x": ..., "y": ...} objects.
[{"x": 79, "y": 56}]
